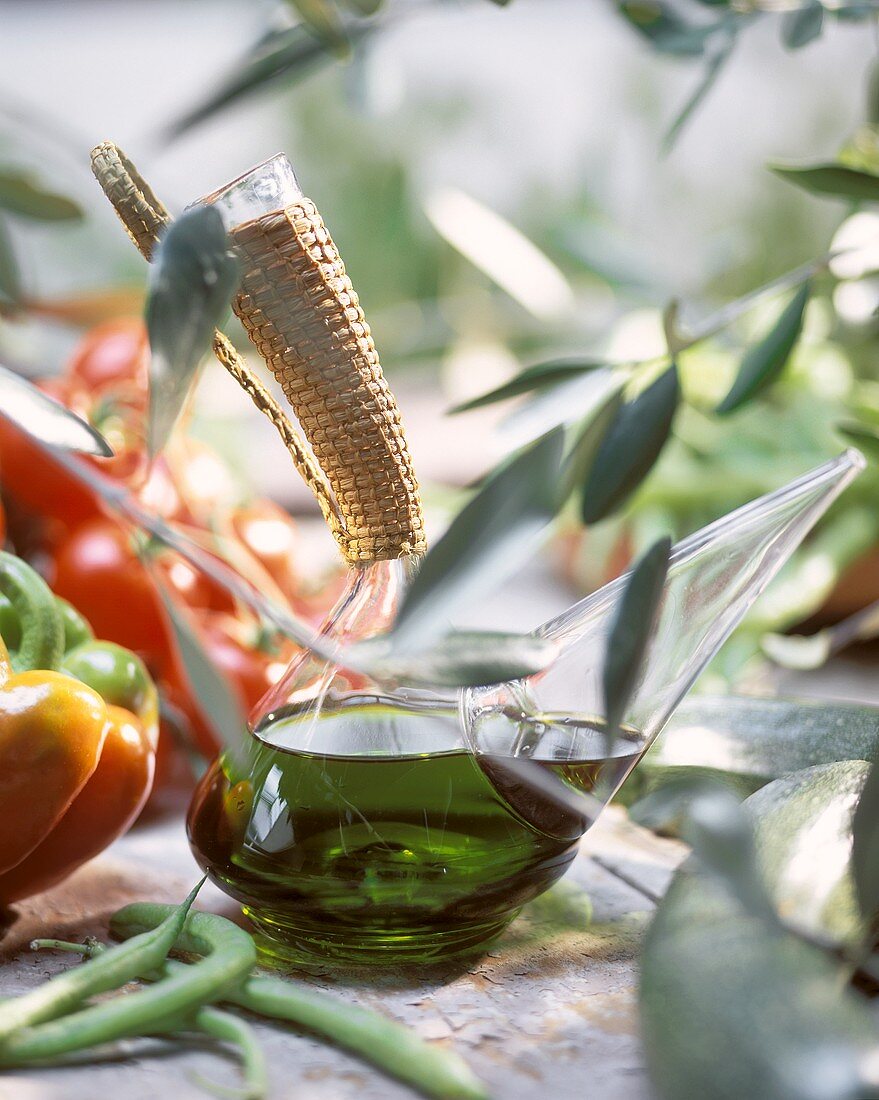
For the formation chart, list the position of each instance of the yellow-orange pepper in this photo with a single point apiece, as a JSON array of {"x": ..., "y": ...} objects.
[
  {"x": 77, "y": 740},
  {"x": 52, "y": 730},
  {"x": 104, "y": 809}
]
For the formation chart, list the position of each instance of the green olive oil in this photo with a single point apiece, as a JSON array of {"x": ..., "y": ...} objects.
[{"x": 385, "y": 853}]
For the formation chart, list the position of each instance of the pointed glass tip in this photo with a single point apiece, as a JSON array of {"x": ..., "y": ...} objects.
[
  {"x": 714, "y": 579},
  {"x": 854, "y": 458}
]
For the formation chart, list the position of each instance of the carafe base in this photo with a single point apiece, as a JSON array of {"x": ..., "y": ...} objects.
[{"x": 285, "y": 939}]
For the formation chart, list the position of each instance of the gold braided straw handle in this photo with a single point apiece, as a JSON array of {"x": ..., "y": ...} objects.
[{"x": 302, "y": 313}]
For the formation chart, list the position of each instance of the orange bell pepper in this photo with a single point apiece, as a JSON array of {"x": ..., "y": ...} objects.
[
  {"x": 77, "y": 739},
  {"x": 52, "y": 730},
  {"x": 104, "y": 809}
]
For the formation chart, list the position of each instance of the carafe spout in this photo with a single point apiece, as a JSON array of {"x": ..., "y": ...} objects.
[{"x": 714, "y": 579}]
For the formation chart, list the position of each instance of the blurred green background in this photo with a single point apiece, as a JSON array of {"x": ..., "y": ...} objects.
[{"x": 497, "y": 183}]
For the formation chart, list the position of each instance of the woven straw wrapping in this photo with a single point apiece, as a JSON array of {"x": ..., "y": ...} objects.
[
  {"x": 143, "y": 216},
  {"x": 302, "y": 313}
]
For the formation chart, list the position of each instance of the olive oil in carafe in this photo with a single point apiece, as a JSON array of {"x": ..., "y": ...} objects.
[{"x": 364, "y": 852}]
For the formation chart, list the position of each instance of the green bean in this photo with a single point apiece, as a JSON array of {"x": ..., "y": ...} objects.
[
  {"x": 229, "y": 955},
  {"x": 390, "y": 1046},
  {"x": 231, "y": 1029},
  {"x": 115, "y": 967},
  {"x": 220, "y": 1025}
]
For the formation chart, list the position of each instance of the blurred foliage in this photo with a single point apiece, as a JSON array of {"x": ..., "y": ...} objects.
[
  {"x": 708, "y": 30},
  {"x": 730, "y": 956},
  {"x": 23, "y": 196},
  {"x": 442, "y": 274}
]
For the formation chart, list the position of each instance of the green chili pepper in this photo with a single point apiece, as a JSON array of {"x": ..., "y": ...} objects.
[
  {"x": 390, "y": 1046},
  {"x": 40, "y": 640},
  {"x": 229, "y": 955},
  {"x": 77, "y": 628},
  {"x": 110, "y": 970},
  {"x": 116, "y": 674}
]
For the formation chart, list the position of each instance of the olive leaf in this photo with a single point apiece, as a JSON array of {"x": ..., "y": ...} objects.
[
  {"x": 836, "y": 180},
  {"x": 662, "y": 26},
  {"x": 10, "y": 279},
  {"x": 862, "y": 437},
  {"x": 765, "y": 361},
  {"x": 288, "y": 56},
  {"x": 492, "y": 536},
  {"x": 581, "y": 457},
  {"x": 725, "y": 316},
  {"x": 750, "y": 741},
  {"x": 811, "y": 811},
  {"x": 631, "y": 447},
  {"x": 713, "y": 68},
  {"x": 458, "y": 659},
  {"x": 537, "y": 377},
  {"x": 191, "y": 283},
  {"x": 218, "y": 702},
  {"x": 850, "y": 13},
  {"x": 323, "y": 20},
  {"x": 46, "y": 419},
  {"x": 865, "y": 850},
  {"x": 564, "y": 403},
  {"x": 631, "y": 630},
  {"x": 720, "y": 833},
  {"x": 803, "y": 25},
  {"x": 501, "y": 251},
  {"x": 22, "y": 194},
  {"x": 732, "y": 1005},
  {"x": 810, "y": 651}
]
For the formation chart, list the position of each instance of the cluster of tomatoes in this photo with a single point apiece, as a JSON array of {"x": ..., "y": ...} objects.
[{"x": 93, "y": 560}]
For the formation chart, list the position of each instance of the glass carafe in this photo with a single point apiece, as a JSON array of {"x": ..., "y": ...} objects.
[{"x": 361, "y": 823}]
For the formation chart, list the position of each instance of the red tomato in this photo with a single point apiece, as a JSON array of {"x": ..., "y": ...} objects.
[
  {"x": 38, "y": 484},
  {"x": 97, "y": 569},
  {"x": 197, "y": 590},
  {"x": 250, "y": 669},
  {"x": 269, "y": 533},
  {"x": 113, "y": 353}
]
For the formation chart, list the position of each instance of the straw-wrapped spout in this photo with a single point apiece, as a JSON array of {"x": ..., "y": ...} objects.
[{"x": 303, "y": 315}]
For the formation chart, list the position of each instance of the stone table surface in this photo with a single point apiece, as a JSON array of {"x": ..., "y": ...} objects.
[{"x": 549, "y": 1010}]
